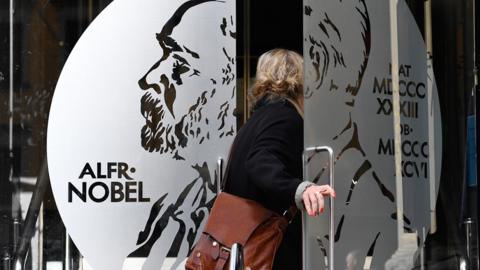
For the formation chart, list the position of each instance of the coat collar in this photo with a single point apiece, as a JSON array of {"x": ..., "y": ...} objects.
[{"x": 268, "y": 99}]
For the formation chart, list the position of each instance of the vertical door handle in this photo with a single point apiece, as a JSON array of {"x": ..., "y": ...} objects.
[
  {"x": 319, "y": 149},
  {"x": 236, "y": 257},
  {"x": 220, "y": 175}
]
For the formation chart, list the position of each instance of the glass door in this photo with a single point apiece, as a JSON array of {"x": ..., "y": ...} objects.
[{"x": 389, "y": 87}]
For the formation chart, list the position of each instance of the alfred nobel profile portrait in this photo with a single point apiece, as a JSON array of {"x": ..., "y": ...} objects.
[
  {"x": 176, "y": 109},
  {"x": 187, "y": 104}
]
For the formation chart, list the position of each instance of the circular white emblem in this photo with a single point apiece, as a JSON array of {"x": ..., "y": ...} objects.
[{"x": 141, "y": 113}]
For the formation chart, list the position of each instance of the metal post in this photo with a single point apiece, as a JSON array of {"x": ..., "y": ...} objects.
[
  {"x": 68, "y": 256},
  {"x": 6, "y": 250},
  {"x": 40, "y": 238},
  {"x": 90, "y": 11},
  {"x": 468, "y": 223},
  {"x": 396, "y": 118},
  {"x": 422, "y": 249},
  {"x": 11, "y": 71},
  {"x": 6, "y": 261},
  {"x": 236, "y": 257},
  {"x": 16, "y": 232},
  {"x": 246, "y": 58},
  {"x": 431, "y": 115},
  {"x": 18, "y": 265},
  {"x": 474, "y": 259},
  {"x": 80, "y": 262}
]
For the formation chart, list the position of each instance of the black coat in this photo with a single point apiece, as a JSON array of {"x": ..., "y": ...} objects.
[{"x": 266, "y": 166}]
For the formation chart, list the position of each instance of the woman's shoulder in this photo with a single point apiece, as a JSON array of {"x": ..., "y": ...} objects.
[
  {"x": 282, "y": 110},
  {"x": 278, "y": 115}
]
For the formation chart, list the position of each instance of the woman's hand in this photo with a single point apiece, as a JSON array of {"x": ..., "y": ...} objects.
[{"x": 313, "y": 198}]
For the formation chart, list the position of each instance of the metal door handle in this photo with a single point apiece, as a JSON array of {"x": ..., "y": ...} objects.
[
  {"x": 318, "y": 149},
  {"x": 220, "y": 175},
  {"x": 236, "y": 257}
]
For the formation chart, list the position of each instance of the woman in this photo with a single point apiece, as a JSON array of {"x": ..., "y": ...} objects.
[{"x": 266, "y": 159}]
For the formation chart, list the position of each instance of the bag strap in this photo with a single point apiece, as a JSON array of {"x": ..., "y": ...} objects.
[
  {"x": 227, "y": 168},
  {"x": 222, "y": 258}
]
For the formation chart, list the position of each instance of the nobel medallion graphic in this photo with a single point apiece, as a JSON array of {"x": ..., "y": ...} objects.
[
  {"x": 349, "y": 107},
  {"x": 142, "y": 111}
]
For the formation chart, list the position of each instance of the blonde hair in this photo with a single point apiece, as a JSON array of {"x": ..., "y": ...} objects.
[{"x": 279, "y": 72}]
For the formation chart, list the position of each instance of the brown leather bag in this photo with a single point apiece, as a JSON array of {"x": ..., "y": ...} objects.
[{"x": 237, "y": 220}]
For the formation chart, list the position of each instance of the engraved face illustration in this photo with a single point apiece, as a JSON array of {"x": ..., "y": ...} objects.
[
  {"x": 330, "y": 54},
  {"x": 334, "y": 73},
  {"x": 348, "y": 94},
  {"x": 178, "y": 86},
  {"x": 164, "y": 71},
  {"x": 187, "y": 103}
]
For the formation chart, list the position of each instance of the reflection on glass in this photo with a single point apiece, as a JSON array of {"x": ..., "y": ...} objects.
[{"x": 39, "y": 34}]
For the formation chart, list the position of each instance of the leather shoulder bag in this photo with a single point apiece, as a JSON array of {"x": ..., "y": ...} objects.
[{"x": 237, "y": 220}]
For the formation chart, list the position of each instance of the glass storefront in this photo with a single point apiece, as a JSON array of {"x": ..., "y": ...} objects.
[{"x": 141, "y": 99}]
